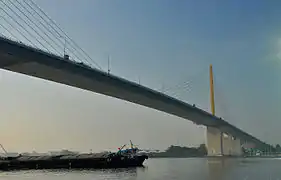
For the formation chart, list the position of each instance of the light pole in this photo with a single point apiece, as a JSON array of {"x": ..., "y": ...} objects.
[
  {"x": 64, "y": 46},
  {"x": 163, "y": 88},
  {"x": 108, "y": 67}
]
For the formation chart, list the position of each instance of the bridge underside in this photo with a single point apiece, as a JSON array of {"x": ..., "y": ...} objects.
[{"x": 22, "y": 59}]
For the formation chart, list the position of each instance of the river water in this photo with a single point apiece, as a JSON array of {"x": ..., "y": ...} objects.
[{"x": 167, "y": 169}]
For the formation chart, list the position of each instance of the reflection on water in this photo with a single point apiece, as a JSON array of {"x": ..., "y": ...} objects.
[
  {"x": 244, "y": 169},
  {"x": 167, "y": 169}
]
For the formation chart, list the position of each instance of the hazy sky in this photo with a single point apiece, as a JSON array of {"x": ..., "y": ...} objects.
[{"x": 162, "y": 43}]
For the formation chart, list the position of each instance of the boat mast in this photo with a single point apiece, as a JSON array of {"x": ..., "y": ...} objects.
[{"x": 3, "y": 149}]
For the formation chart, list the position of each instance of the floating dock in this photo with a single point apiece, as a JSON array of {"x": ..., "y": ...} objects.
[{"x": 75, "y": 161}]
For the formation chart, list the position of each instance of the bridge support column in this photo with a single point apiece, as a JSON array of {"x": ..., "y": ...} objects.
[
  {"x": 231, "y": 146},
  {"x": 214, "y": 142},
  {"x": 214, "y": 135},
  {"x": 217, "y": 143},
  {"x": 237, "y": 147},
  {"x": 220, "y": 144}
]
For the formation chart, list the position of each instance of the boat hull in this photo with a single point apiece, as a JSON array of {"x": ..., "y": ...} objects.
[{"x": 63, "y": 162}]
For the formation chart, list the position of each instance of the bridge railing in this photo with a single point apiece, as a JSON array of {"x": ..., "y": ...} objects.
[{"x": 53, "y": 55}]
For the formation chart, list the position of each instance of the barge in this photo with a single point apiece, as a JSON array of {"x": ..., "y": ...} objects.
[{"x": 121, "y": 159}]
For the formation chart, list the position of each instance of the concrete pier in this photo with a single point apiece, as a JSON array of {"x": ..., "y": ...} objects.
[
  {"x": 214, "y": 142},
  {"x": 220, "y": 144}
]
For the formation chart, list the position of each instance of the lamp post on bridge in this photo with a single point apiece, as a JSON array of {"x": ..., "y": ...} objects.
[
  {"x": 64, "y": 46},
  {"x": 163, "y": 88},
  {"x": 139, "y": 80},
  {"x": 108, "y": 67}
]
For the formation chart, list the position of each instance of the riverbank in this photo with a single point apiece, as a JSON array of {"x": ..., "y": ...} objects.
[{"x": 180, "y": 152}]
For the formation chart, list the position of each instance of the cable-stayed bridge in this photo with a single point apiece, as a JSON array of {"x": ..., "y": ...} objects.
[{"x": 32, "y": 43}]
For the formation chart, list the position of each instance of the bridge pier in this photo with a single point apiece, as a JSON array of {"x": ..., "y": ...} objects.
[
  {"x": 231, "y": 146},
  {"x": 214, "y": 142},
  {"x": 220, "y": 144}
]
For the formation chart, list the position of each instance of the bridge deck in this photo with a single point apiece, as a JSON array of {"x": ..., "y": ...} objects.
[{"x": 23, "y": 59}]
